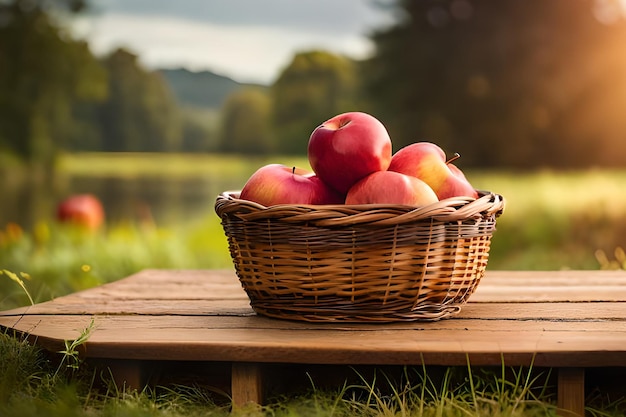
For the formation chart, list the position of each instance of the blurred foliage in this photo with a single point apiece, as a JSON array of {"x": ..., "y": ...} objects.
[
  {"x": 246, "y": 122},
  {"x": 44, "y": 76},
  {"x": 61, "y": 97},
  {"x": 511, "y": 84},
  {"x": 141, "y": 113},
  {"x": 506, "y": 83},
  {"x": 201, "y": 126},
  {"x": 314, "y": 87},
  {"x": 58, "y": 96}
]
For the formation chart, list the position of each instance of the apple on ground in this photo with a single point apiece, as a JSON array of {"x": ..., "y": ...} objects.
[
  {"x": 427, "y": 161},
  {"x": 280, "y": 184},
  {"x": 84, "y": 210},
  {"x": 347, "y": 147},
  {"x": 389, "y": 187}
]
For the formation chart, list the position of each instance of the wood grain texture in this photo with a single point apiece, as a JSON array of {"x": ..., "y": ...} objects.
[
  {"x": 571, "y": 392},
  {"x": 205, "y": 315},
  {"x": 246, "y": 384}
]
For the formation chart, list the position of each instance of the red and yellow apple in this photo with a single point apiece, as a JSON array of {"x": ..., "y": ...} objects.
[
  {"x": 347, "y": 147},
  {"x": 388, "y": 187},
  {"x": 427, "y": 161},
  {"x": 279, "y": 184},
  {"x": 84, "y": 210}
]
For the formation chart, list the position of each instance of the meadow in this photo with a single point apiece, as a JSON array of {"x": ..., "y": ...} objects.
[{"x": 552, "y": 220}]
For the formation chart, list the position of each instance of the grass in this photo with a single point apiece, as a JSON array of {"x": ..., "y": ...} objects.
[
  {"x": 61, "y": 259},
  {"x": 558, "y": 220},
  {"x": 129, "y": 165}
]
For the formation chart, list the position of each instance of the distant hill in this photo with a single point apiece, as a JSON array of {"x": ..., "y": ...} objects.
[{"x": 200, "y": 89}]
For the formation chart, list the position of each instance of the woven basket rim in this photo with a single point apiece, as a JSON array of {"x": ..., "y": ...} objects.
[{"x": 454, "y": 209}]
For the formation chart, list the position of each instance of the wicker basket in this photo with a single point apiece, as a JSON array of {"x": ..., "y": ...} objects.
[{"x": 367, "y": 263}]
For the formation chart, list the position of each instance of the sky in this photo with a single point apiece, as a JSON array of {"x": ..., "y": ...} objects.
[{"x": 247, "y": 40}]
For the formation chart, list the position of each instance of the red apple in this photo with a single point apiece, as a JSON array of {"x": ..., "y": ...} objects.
[
  {"x": 388, "y": 187},
  {"x": 347, "y": 147},
  {"x": 83, "y": 210},
  {"x": 279, "y": 184},
  {"x": 427, "y": 161}
]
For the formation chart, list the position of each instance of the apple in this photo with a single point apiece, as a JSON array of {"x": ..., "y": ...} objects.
[
  {"x": 347, "y": 147},
  {"x": 279, "y": 184},
  {"x": 84, "y": 210},
  {"x": 389, "y": 187},
  {"x": 427, "y": 161}
]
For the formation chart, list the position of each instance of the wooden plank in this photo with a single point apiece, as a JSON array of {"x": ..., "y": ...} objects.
[
  {"x": 550, "y": 278},
  {"x": 170, "y": 284},
  {"x": 518, "y": 299},
  {"x": 150, "y": 284},
  {"x": 492, "y": 277},
  {"x": 219, "y": 314},
  {"x": 198, "y": 291},
  {"x": 74, "y": 306},
  {"x": 255, "y": 339},
  {"x": 548, "y": 316},
  {"x": 583, "y": 311},
  {"x": 486, "y": 293},
  {"x": 205, "y": 315},
  {"x": 246, "y": 384},
  {"x": 571, "y": 392},
  {"x": 543, "y": 286},
  {"x": 222, "y": 284}
]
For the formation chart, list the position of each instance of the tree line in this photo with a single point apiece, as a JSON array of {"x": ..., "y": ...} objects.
[{"x": 506, "y": 84}]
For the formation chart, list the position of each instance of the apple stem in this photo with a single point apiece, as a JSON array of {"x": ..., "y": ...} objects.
[
  {"x": 293, "y": 170},
  {"x": 454, "y": 158}
]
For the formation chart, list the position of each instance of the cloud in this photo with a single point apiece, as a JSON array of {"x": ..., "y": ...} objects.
[
  {"x": 331, "y": 16},
  {"x": 247, "y": 53}
]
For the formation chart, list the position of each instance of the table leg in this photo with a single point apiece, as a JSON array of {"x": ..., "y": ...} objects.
[
  {"x": 571, "y": 392},
  {"x": 246, "y": 383},
  {"x": 126, "y": 373}
]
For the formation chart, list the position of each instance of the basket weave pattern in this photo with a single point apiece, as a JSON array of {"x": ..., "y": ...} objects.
[{"x": 374, "y": 263}]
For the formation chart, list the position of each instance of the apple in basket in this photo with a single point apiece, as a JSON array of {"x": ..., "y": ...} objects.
[
  {"x": 427, "y": 161},
  {"x": 347, "y": 147},
  {"x": 279, "y": 184},
  {"x": 388, "y": 187}
]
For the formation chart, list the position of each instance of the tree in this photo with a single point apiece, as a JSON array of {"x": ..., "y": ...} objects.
[
  {"x": 44, "y": 76},
  {"x": 246, "y": 122},
  {"x": 140, "y": 113},
  {"x": 314, "y": 87},
  {"x": 504, "y": 83}
]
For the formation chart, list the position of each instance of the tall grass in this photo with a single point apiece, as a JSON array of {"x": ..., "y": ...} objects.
[
  {"x": 62, "y": 259},
  {"x": 170, "y": 164},
  {"x": 558, "y": 220}
]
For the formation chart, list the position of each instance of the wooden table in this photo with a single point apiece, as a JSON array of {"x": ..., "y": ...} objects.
[{"x": 567, "y": 320}]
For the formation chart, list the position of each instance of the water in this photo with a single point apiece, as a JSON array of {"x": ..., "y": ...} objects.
[{"x": 166, "y": 201}]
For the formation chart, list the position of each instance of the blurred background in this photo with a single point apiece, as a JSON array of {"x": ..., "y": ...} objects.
[{"x": 155, "y": 107}]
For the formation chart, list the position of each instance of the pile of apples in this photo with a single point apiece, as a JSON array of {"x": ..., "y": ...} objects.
[{"x": 352, "y": 161}]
